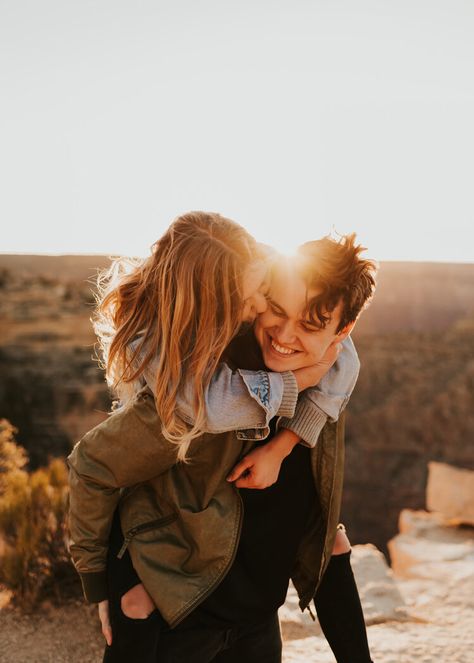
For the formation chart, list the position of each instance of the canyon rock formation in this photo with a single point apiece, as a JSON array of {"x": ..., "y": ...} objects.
[{"x": 414, "y": 401}]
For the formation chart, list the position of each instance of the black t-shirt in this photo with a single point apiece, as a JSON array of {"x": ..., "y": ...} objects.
[{"x": 274, "y": 522}]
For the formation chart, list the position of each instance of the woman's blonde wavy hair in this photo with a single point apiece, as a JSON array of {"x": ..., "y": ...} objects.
[{"x": 186, "y": 301}]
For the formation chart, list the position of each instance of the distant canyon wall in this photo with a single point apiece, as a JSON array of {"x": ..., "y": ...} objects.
[{"x": 414, "y": 401}]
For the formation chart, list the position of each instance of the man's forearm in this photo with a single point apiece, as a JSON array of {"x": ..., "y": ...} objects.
[{"x": 284, "y": 442}]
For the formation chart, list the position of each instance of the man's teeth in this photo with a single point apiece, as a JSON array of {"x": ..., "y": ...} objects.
[{"x": 281, "y": 349}]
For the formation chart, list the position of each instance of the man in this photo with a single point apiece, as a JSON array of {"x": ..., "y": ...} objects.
[
  {"x": 218, "y": 600},
  {"x": 310, "y": 306}
]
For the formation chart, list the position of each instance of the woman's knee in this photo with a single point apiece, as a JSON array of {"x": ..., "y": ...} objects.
[
  {"x": 137, "y": 603},
  {"x": 341, "y": 543}
]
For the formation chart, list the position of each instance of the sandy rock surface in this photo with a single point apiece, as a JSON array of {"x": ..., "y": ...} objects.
[
  {"x": 430, "y": 546},
  {"x": 380, "y": 596},
  {"x": 410, "y": 620},
  {"x": 450, "y": 491}
]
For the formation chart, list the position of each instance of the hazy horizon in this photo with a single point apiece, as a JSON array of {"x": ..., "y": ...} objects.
[{"x": 111, "y": 254}]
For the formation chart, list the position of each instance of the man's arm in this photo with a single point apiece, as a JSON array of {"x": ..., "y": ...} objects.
[{"x": 261, "y": 466}]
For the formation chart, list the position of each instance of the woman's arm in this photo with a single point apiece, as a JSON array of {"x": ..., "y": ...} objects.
[
  {"x": 241, "y": 399},
  {"x": 247, "y": 400}
]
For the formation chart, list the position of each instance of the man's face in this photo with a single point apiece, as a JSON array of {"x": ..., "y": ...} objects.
[{"x": 286, "y": 336}]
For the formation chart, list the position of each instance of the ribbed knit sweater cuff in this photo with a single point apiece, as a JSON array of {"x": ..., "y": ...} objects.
[
  {"x": 290, "y": 395},
  {"x": 307, "y": 423}
]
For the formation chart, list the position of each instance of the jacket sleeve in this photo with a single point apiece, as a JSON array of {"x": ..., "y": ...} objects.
[
  {"x": 236, "y": 399},
  {"x": 326, "y": 400},
  {"x": 125, "y": 449}
]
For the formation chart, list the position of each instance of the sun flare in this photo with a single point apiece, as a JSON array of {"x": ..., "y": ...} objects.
[{"x": 285, "y": 246}]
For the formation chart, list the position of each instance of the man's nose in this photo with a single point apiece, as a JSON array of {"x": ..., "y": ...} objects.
[{"x": 285, "y": 333}]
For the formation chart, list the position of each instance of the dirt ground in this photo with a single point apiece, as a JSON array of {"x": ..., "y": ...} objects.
[
  {"x": 418, "y": 619},
  {"x": 54, "y": 635},
  {"x": 72, "y": 633}
]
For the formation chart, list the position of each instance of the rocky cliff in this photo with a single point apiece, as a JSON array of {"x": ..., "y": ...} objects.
[
  {"x": 51, "y": 388},
  {"x": 414, "y": 401},
  {"x": 421, "y": 610}
]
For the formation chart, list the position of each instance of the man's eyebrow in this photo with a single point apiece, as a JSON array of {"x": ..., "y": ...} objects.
[
  {"x": 309, "y": 320},
  {"x": 312, "y": 323}
]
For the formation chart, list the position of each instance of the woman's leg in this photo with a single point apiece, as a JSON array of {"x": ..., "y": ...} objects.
[
  {"x": 137, "y": 603},
  {"x": 337, "y": 603},
  {"x": 135, "y": 628}
]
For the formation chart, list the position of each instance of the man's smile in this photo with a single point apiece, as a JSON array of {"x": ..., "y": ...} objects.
[
  {"x": 278, "y": 349},
  {"x": 286, "y": 335}
]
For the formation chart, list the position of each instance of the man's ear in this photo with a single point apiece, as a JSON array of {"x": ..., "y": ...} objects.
[{"x": 345, "y": 331}]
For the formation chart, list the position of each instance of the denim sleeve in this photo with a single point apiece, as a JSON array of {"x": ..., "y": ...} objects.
[
  {"x": 244, "y": 400},
  {"x": 326, "y": 400},
  {"x": 239, "y": 400}
]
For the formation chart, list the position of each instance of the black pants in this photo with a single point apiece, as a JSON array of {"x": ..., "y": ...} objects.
[{"x": 151, "y": 640}]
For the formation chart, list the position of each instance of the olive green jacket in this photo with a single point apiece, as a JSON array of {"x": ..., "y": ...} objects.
[{"x": 182, "y": 522}]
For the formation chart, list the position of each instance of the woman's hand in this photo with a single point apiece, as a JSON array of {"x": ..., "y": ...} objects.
[
  {"x": 311, "y": 375},
  {"x": 260, "y": 468},
  {"x": 105, "y": 621}
]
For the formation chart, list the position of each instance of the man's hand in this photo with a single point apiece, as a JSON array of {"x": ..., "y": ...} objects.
[
  {"x": 260, "y": 468},
  {"x": 105, "y": 621},
  {"x": 311, "y": 375}
]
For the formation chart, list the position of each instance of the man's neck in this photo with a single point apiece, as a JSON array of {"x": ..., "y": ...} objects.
[{"x": 244, "y": 351}]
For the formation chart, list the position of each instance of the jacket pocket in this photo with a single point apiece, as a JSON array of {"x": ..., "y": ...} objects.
[
  {"x": 145, "y": 527},
  {"x": 253, "y": 434}
]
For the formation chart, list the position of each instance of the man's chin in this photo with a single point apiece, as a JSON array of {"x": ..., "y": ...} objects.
[{"x": 279, "y": 365}]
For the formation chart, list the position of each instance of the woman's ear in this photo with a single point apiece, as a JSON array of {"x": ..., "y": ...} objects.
[{"x": 345, "y": 331}]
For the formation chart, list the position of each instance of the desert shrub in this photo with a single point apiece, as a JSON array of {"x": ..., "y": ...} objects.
[
  {"x": 12, "y": 457},
  {"x": 34, "y": 561}
]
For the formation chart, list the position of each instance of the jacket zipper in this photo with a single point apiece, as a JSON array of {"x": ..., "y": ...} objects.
[
  {"x": 160, "y": 522},
  {"x": 211, "y": 588},
  {"x": 311, "y": 612}
]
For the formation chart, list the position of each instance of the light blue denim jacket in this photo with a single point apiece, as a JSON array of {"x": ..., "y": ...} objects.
[{"x": 245, "y": 401}]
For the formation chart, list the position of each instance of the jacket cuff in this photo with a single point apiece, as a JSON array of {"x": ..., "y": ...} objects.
[
  {"x": 290, "y": 395},
  {"x": 94, "y": 586},
  {"x": 307, "y": 423}
]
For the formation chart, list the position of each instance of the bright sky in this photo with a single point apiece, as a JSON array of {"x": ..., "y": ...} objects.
[{"x": 292, "y": 117}]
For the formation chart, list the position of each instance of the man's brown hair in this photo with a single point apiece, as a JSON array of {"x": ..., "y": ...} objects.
[{"x": 336, "y": 268}]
